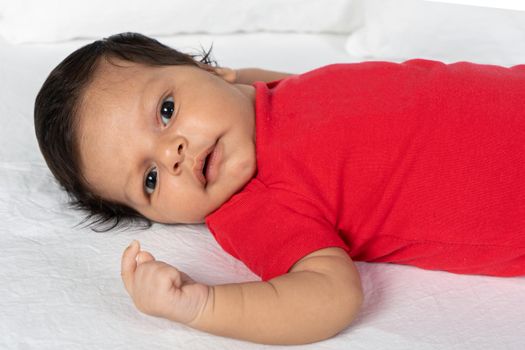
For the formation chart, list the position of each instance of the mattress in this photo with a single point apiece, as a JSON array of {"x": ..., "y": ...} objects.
[{"x": 60, "y": 285}]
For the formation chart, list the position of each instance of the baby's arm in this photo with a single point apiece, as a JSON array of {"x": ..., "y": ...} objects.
[
  {"x": 319, "y": 297},
  {"x": 245, "y": 75},
  {"x": 251, "y": 75}
]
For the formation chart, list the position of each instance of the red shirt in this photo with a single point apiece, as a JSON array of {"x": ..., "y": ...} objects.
[{"x": 417, "y": 163}]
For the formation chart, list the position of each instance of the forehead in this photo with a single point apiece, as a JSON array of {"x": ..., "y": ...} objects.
[
  {"x": 113, "y": 77},
  {"x": 110, "y": 106}
]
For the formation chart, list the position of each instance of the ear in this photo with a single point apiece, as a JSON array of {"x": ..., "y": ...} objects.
[{"x": 228, "y": 74}]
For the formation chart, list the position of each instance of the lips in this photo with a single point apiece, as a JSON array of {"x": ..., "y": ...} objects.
[{"x": 200, "y": 162}]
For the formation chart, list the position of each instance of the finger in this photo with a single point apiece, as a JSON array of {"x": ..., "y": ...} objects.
[
  {"x": 129, "y": 265},
  {"x": 175, "y": 276},
  {"x": 144, "y": 256}
]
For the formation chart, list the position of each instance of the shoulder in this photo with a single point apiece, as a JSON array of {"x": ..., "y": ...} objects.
[
  {"x": 270, "y": 234},
  {"x": 339, "y": 77}
]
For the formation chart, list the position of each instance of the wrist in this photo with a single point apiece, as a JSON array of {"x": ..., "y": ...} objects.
[{"x": 206, "y": 310}]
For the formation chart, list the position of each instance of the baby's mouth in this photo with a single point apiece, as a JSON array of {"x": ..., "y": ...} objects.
[
  {"x": 205, "y": 166},
  {"x": 202, "y": 163}
]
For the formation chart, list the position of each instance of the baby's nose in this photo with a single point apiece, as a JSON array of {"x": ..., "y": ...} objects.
[
  {"x": 179, "y": 158},
  {"x": 173, "y": 154}
]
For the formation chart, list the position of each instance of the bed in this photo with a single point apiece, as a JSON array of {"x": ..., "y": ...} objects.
[{"x": 60, "y": 285}]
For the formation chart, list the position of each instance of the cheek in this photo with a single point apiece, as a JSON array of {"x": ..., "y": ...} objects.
[
  {"x": 200, "y": 126},
  {"x": 207, "y": 115},
  {"x": 179, "y": 200}
]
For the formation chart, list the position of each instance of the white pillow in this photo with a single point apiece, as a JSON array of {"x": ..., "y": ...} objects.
[
  {"x": 502, "y": 4},
  {"x": 55, "y": 20},
  {"x": 402, "y": 29}
]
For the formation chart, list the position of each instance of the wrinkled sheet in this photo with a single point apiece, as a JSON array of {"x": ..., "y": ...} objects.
[{"x": 60, "y": 284}]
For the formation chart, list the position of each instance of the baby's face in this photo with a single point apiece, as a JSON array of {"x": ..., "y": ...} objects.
[{"x": 144, "y": 133}]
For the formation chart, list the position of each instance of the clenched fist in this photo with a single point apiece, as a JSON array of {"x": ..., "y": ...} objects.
[{"x": 159, "y": 289}]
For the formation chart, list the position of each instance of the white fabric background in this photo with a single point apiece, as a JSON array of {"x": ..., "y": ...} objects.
[
  {"x": 23, "y": 21},
  {"x": 397, "y": 29}
]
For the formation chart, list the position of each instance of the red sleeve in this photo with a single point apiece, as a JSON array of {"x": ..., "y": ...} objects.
[
  {"x": 270, "y": 84},
  {"x": 269, "y": 236}
]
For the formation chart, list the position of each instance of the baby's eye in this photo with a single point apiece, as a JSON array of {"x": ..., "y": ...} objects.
[
  {"x": 151, "y": 181},
  {"x": 166, "y": 110}
]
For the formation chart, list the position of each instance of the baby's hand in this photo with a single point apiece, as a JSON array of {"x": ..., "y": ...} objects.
[{"x": 159, "y": 289}]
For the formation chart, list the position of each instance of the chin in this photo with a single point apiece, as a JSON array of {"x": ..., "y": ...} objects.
[{"x": 246, "y": 170}]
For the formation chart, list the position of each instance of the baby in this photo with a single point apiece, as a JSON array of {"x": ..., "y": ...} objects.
[{"x": 417, "y": 163}]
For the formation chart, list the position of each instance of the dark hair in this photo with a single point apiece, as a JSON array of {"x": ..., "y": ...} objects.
[{"x": 57, "y": 104}]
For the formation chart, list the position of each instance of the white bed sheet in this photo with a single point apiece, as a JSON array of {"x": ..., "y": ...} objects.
[{"x": 60, "y": 286}]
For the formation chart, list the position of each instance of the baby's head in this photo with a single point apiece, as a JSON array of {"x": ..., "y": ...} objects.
[{"x": 126, "y": 124}]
